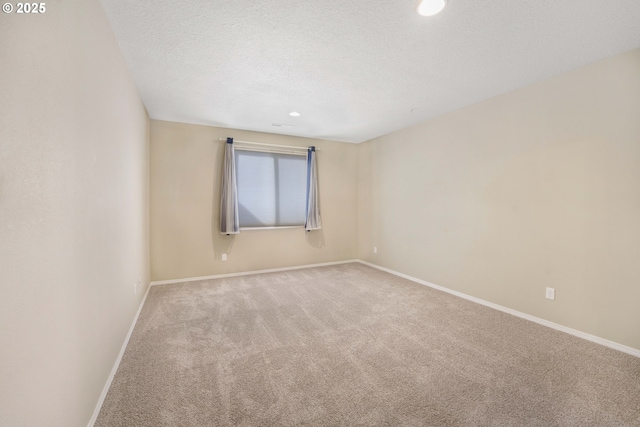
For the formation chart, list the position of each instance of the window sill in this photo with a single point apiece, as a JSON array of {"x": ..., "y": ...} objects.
[{"x": 278, "y": 227}]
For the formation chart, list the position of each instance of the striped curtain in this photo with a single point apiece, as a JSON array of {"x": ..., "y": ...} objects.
[
  {"x": 229, "y": 223},
  {"x": 313, "y": 221}
]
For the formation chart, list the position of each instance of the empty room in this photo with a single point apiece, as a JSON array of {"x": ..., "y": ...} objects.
[{"x": 320, "y": 213}]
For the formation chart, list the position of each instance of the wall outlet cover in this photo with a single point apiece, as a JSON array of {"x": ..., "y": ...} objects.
[{"x": 550, "y": 293}]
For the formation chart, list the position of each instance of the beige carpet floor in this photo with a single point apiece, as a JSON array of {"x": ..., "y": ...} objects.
[{"x": 349, "y": 345}]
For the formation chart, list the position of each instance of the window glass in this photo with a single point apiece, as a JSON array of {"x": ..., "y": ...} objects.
[{"x": 271, "y": 188}]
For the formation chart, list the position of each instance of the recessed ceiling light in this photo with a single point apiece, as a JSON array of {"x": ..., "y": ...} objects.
[
  {"x": 430, "y": 7},
  {"x": 294, "y": 114}
]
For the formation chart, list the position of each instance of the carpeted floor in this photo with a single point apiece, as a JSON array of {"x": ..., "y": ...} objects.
[{"x": 349, "y": 345}]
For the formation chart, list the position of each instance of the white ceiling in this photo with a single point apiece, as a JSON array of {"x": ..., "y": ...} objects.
[{"x": 354, "y": 69}]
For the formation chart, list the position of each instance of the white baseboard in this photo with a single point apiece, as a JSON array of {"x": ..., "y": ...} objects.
[
  {"x": 611, "y": 344},
  {"x": 105, "y": 390},
  {"x": 245, "y": 273}
]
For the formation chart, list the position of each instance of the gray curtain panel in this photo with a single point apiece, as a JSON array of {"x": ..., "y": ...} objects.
[
  {"x": 313, "y": 221},
  {"x": 229, "y": 222}
]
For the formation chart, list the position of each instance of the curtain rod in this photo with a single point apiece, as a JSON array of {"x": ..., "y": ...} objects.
[{"x": 268, "y": 145}]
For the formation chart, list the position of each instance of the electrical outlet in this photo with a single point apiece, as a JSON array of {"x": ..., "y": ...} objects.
[
  {"x": 551, "y": 293},
  {"x": 224, "y": 257},
  {"x": 375, "y": 249},
  {"x": 136, "y": 287}
]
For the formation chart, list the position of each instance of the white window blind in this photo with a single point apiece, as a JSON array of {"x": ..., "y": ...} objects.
[{"x": 271, "y": 188}]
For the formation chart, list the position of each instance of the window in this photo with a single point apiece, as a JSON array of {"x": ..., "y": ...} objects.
[{"x": 271, "y": 188}]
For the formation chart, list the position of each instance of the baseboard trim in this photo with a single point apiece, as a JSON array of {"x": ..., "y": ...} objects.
[
  {"x": 593, "y": 338},
  {"x": 105, "y": 390},
  {"x": 246, "y": 273}
]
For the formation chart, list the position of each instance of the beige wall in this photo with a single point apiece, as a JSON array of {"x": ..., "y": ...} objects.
[
  {"x": 538, "y": 187},
  {"x": 73, "y": 211},
  {"x": 186, "y": 163}
]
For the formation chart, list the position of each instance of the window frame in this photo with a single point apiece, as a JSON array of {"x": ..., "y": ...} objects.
[{"x": 238, "y": 147}]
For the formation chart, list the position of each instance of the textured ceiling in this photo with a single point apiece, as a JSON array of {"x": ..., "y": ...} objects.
[{"x": 354, "y": 69}]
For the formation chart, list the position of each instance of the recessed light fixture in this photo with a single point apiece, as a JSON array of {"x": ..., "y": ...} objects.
[
  {"x": 294, "y": 114},
  {"x": 430, "y": 7}
]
